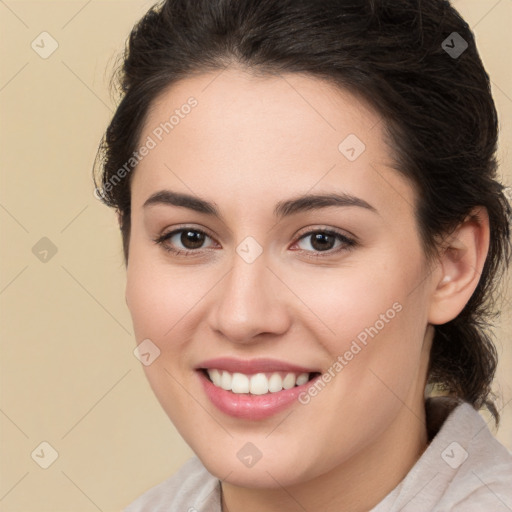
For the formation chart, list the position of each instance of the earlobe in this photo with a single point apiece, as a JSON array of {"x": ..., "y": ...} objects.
[{"x": 461, "y": 263}]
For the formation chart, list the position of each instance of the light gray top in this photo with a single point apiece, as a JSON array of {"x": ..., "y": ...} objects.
[{"x": 463, "y": 469}]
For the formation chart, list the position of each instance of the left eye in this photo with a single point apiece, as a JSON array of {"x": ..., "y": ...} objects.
[{"x": 322, "y": 241}]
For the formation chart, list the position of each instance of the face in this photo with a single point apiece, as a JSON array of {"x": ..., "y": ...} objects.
[{"x": 245, "y": 284}]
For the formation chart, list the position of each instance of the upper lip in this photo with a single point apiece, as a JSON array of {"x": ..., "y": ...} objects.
[{"x": 250, "y": 366}]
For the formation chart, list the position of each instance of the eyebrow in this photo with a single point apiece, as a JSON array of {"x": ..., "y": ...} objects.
[{"x": 282, "y": 209}]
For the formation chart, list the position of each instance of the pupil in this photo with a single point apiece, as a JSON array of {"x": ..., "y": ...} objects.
[
  {"x": 324, "y": 240},
  {"x": 192, "y": 239}
]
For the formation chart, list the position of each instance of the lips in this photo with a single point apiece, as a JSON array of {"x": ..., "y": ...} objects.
[{"x": 253, "y": 389}]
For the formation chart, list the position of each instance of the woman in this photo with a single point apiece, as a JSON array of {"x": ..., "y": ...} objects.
[{"x": 313, "y": 232}]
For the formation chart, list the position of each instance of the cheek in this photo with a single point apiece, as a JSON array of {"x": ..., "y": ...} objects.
[
  {"x": 159, "y": 296},
  {"x": 373, "y": 315},
  {"x": 344, "y": 302},
  {"x": 160, "y": 305},
  {"x": 147, "y": 303}
]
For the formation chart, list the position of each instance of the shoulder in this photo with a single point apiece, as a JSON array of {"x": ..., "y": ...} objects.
[
  {"x": 482, "y": 476},
  {"x": 464, "y": 468},
  {"x": 191, "y": 489}
]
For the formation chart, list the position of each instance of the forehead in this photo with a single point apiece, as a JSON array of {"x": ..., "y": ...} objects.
[
  {"x": 261, "y": 136},
  {"x": 234, "y": 106}
]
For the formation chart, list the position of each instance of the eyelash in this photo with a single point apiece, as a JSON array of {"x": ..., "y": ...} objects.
[{"x": 347, "y": 243}]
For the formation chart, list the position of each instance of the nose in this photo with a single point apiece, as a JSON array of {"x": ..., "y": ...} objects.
[{"x": 250, "y": 301}]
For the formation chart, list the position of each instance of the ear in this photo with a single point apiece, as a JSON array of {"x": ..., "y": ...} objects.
[{"x": 461, "y": 263}]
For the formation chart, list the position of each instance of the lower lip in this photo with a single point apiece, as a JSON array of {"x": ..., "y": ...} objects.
[{"x": 251, "y": 407}]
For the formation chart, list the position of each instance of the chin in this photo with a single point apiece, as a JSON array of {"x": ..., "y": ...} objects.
[
  {"x": 263, "y": 475},
  {"x": 255, "y": 461}
]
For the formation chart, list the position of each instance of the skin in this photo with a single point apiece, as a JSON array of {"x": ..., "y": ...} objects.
[{"x": 248, "y": 144}]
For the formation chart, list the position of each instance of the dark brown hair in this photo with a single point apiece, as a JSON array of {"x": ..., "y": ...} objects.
[{"x": 439, "y": 117}]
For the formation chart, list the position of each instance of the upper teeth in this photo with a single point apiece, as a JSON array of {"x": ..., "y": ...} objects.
[{"x": 257, "y": 384}]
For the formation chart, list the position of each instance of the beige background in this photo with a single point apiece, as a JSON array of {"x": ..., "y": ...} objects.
[{"x": 68, "y": 373}]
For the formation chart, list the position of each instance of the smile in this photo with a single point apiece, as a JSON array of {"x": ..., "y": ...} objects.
[{"x": 255, "y": 389}]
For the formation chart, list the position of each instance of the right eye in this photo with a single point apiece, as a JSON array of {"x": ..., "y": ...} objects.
[{"x": 191, "y": 239}]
